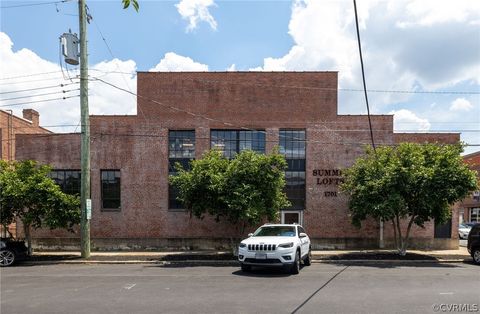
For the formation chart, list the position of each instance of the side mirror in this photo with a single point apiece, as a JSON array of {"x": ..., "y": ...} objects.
[
  {"x": 302, "y": 235},
  {"x": 250, "y": 234}
]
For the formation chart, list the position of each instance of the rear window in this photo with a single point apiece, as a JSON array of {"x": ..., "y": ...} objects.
[{"x": 475, "y": 229}]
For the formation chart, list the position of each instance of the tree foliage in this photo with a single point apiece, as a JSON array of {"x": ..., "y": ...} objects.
[
  {"x": 246, "y": 189},
  {"x": 134, "y": 3},
  {"x": 418, "y": 182},
  {"x": 28, "y": 193}
]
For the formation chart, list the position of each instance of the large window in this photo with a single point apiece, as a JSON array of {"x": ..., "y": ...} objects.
[
  {"x": 292, "y": 145},
  {"x": 68, "y": 180},
  {"x": 111, "y": 189},
  {"x": 474, "y": 214},
  {"x": 232, "y": 142},
  {"x": 181, "y": 149},
  {"x": 295, "y": 188}
]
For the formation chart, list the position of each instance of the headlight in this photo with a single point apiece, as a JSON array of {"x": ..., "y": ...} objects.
[
  {"x": 286, "y": 245},
  {"x": 242, "y": 245}
]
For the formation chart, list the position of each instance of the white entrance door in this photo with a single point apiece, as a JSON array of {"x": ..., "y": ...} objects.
[{"x": 292, "y": 216}]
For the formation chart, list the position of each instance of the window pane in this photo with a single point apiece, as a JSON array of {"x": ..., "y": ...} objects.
[
  {"x": 181, "y": 144},
  {"x": 181, "y": 150},
  {"x": 173, "y": 203},
  {"x": 231, "y": 142},
  {"x": 67, "y": 180},
  {"x": 110, "y": 189},
  {"x": 292, "y": 143}
]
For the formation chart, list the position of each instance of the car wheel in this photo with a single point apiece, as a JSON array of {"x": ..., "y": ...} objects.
[
  {"x": 476, "y": 256},
  {"x": 296, "y": 265},
  {"x": 7, "y": 258},
  {"x": 245, "y": 268},
  {"x": 308, "y": 259}
]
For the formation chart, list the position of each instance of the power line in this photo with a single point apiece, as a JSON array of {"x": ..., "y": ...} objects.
[
  {"x": 111, "y": 54},
  {"x": 44, "y": 94},
  {"x": 246, "y": 84},
  {"x": 29, "y": 75},
  {"x": 326, "y": 129},
  {"x": 45, "y": 126},
  {"x": 99, "y": 135},
  {"x": 39, "y": 101},
  {"x": 37, "y": 80},
  {"x": 316, "y": 88},
  {"x": 228, "y": 124},
  {"x": 363, "y": 76},
  {"x": 37, "y": 88},
  {"x": 32, "y": 4}
]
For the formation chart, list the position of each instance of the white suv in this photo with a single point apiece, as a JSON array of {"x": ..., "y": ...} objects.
[{"x": 276, "y": 245}]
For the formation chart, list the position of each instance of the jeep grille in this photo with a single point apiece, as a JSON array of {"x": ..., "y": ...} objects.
[{"x": 261, "y": 247}]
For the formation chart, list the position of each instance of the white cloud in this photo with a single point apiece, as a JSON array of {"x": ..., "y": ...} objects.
[
  {"x": 65, "y": 112},
  {"x": 404, "y": 119},
  {"x": 172, "y": 62},
  {"x": 430, "y": 12},
  {"x": 461, "y": 104},
  {"x": 436, "y": 50},
  {"x": 232, "y": 68},
  {"x": 196, "y": 11},
  {"x": 103, "y": 99}
]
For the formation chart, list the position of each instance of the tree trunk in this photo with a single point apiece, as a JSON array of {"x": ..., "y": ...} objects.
[
  {"x": 400, "y": 238},
  {"x": 28, "y": 237},
  {"x": 395, "y": 233},
  {"x": 405, "y": 242}
]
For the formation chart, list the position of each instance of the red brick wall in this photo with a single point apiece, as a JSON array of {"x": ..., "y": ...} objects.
[
  {"x": 10, "y": 126},
  {"x": 473, "y": 161},
  {"x": 137, "y": 145}
]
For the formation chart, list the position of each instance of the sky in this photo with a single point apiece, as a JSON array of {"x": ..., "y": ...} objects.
[{"x": 421, "y": 57}]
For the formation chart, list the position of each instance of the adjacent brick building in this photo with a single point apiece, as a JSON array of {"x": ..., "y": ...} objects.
[
  {"x": 180, "y": 116},
  {"x": 469, "y": 208},
  {"x": 10, "y": 127}
]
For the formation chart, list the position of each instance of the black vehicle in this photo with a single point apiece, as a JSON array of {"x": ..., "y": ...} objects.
[
  {"x": 473, "y": 244},
  {"x": 11, "y": 251}
]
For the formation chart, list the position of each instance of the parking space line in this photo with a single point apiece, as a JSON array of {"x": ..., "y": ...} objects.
[
  {"x": 129, "y": 286},
  {"x": 323, "y": 286}
]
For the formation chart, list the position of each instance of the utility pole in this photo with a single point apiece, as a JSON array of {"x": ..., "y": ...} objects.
[{"x": 85, "y": 137}]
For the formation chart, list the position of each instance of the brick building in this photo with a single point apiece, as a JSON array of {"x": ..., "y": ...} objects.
[
  {"x": 469, "y": 208},
  {"x": 10, "y": 127},
  {"x": 180, "y": 116}
]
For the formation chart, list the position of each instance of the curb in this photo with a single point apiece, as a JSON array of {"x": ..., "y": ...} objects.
[{"x": 228, "y": 262}]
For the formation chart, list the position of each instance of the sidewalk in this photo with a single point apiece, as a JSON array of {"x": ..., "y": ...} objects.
[{"x": 227, "y": 258}]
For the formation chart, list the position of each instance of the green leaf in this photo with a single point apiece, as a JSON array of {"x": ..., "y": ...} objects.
[{"x": 135, "y": 5}]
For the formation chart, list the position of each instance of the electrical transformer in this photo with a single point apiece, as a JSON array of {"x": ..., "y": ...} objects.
[{"x": 69, "y": 43}]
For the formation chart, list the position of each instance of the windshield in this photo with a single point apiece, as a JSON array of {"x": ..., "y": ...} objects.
[{"x": 275, "y": 231}]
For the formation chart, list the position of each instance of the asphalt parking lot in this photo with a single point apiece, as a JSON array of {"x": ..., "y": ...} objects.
[{"x": 369, "y": 287}]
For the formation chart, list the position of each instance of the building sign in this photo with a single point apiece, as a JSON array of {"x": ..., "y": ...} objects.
[{"x": 330, "y": 178}]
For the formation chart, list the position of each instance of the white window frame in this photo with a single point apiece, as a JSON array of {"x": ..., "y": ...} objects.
[{"x": 299, "y": 212}]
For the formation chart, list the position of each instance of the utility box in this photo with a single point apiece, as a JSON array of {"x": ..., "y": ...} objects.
[{"x": 69, "y": 43}]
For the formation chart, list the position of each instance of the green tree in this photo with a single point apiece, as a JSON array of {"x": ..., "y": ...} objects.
[
  {"x": 417, "y": 182},
  {"x": 244, "y": 190},
  {"x": 28, "y": 193}
]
